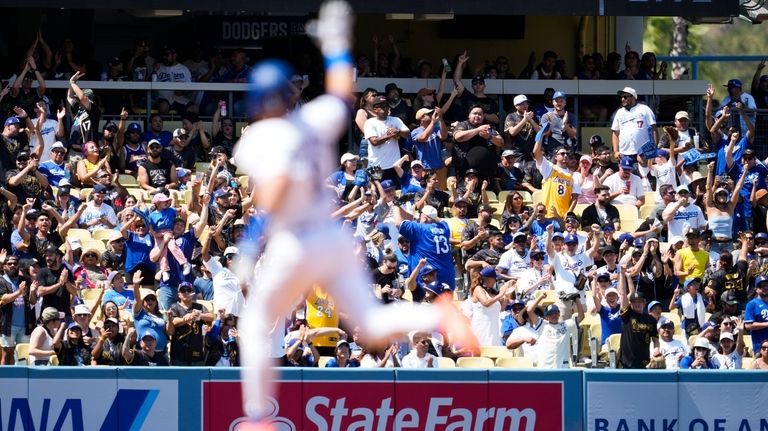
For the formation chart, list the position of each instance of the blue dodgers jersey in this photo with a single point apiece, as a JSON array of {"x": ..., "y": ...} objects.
[
  {"x": 432, "y": 242},
  {"x": 757, "y": 312}
]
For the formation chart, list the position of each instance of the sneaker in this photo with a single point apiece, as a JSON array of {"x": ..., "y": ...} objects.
[
  {"x": 187, "y": 268},
  {"x": 166, "y": 276}
]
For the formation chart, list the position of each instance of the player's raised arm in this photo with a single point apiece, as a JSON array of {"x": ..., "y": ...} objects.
[{"x": 333, "y": 34}]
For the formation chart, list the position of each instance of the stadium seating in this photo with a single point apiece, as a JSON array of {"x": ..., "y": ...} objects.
[
  {"x": 22, "y": 354},
  {"x": 322, "y": 360},
  {"x": 746, "y": 363},
  {"x": 128, "y": 180},
  {"x": 443, "y": 362},
  {"x": 614, "y": 343},
  {"x": 514, "y": 362},
  {"x": 495, "y": 352},
  {"x": 81, "y": 234},
  {"x": 102, "y": 234},
  {"x": 475, "y": 362}
]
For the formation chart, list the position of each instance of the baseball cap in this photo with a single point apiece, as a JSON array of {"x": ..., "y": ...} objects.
[
  {"x": 681, "y": 114},
  {"x": 422, "y": 112},
  {"x": 559, "y": 94},
  {"x": 691, "y": 281},
  {"x": 664, "y": 322},
  {"x": 149, "y": 333},
  {"x": 65, "y": 190},
  {"x": 392, "y": 86},
  {"x": 587, "y": 158},
  {"x": 692, "y": 232},
  {"x": 430, "y": 212},
  {"x": 675, "y": 239},
  {"x": 707, "y": 325},
  {"x": 220, "y": 193},
  {"x": 12, "y": 120},
  {"x": 682, "y": 188},
  {"x": 154, "y": 142},
  {"x": 341, "y": 343},
  {"x": 733, "y": 83},
  {"x": 231, "y": 250},
  {"x": 49, "y": 313},
  {"x": 23, "y": 155},
  {"x": 701, "y": 343},
  {"x": 58, "y": 146},
  {"x": 488, "y": 272},
  {"x": 160, "y": 197},
  {"x": 99, "y": 188},
  {"x": 507, "y": 153},
  {"x": 347, "y": 157},
  {"x": 425, "y": 270},
  {"x": 111, "y": 126},
  {"x": 520, "y": 98},
  {"x": 761, "y": 235},
  {"x": 721, "y": 190},
  {"x": 181, "y": 172},
  {"x": 133, "y": 127},
  {"x": 112, "y": 276},
  {"x": 557, "y": 235},
  {"x": 387, "y": 185},
  {"x": 82, "y": 309},
  {"x": 180, "y": 132},
  {"x": 571, "y": 238},
  {"x": 551, "y": 309},
  {"x": 519, "y": 235},
  {"x": 478, "y": 78},
  {"x": 662, "y": 153},
  {"x": 424, "y": 92},
  {"x": 729, "y": 297},
  {"x": 379, "y": 100},
  {"x": 417, "y": 163},
  {"x": 636, "y": 296},
  {"x": 595, "y": 140},
  {"x": 627, "y": 90},
  {"x": 639, "y": 242},
  {"x": 653, "y": 304},
  {"x": 610, "y": 289},
  {"x": 437, "y": 287},
  {"x": 218, "y": 149},
  {"x": 113, "y": 61},
  {"x": 760, "y": 279},
  {"x": 471, "y": 172},
  {"x": 487, "y": 208},
  {"x": 384, "y": 229},
  {"x": 626, "y": 163},
  {"x": 604, "y": 276},
  {"x": 607, "y": 249},
  {"x": 537, "y": 253},
  {"x": 626, "y": 236},
  {"x": 460, "y": 200},
  {"x": 74, "y": 325},
  {"x": 726, "y": 336}
]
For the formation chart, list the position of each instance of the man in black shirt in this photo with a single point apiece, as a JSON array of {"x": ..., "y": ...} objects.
[
  {"x": 55, "y": 283},
  {"x": 729, "y": 277},
  {"x": 638, "y": 329},
  {"x": 182, "y": 154},
  {"x": 157, "y": 172},
  {"x": 386, "y": 276},
  {"x": 146, "y": 356},
  {"x": 86, "y": 114},
  {"x": 602, "y": 211}
]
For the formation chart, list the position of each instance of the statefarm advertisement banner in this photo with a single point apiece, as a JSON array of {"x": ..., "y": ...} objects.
[{"x": 450, "y": 401}]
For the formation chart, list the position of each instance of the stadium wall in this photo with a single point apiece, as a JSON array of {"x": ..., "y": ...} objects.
[{"x": 208, "y": 399}]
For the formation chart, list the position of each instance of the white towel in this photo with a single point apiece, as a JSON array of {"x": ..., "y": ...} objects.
[{"x": 690, "y": 308}]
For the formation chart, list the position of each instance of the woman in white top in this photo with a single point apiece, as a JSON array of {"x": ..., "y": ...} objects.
[
  {"x": 486, "y": 306},
  {"x": 586, "y": 181},
  {"x": 46, "y": 337},
  {"x": 227, "y": 293},
  {"x": 728, "y": 355}
]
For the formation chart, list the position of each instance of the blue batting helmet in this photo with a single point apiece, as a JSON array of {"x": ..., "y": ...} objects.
[{"x": 268, "y": 82}]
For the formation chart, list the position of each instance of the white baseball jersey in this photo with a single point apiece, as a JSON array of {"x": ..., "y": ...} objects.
[
  {"x": 632, "y": 125},
  {"x": 299, "y": 146}
]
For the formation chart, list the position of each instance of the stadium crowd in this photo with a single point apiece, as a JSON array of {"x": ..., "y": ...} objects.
[{"x": 119, "y": 241}]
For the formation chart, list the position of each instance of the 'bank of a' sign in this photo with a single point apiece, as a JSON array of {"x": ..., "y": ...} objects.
[{"x": 384, "y": 406}]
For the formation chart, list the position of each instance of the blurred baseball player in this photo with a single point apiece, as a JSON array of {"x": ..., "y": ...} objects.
[{"x": 287, "y": 156}]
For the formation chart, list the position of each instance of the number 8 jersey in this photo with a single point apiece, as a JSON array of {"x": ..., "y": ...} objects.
[{"x": 558, "y": 187}]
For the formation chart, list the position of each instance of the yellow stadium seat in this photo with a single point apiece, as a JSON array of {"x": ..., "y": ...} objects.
[
  {"x": 495, "y": 223},
  {"x": 627, "y": 212},
  {"x": 646, "y": 211},
  {"x": 443, "y": 362},
  {"x": 475, "y": 362},
  {"x": 85, "y": 193},
  {"x": 128, "y": 180},
  {"x": 323, "y": 360},
  {"x": 53, "y": 361},
  {"x": 514, "y": 362},
  {"x": 136, "y": 192},
  {"x": 208, "y": 305},
  {"x": 746, "y": 363},
  {"x": 550, "y": 299},
  {"x": 90, "y": 294},
  {"x": 81, "y": 234},
  {"x": 630, "y": 225},
  {"x": 537, "y": 197},
  {"x": 95, "y": 244},
  {"x": 407, "y": 295},
  {"x": 491, "y": 196},
  {"x": 102, "y": 234},
  {"x": 503, "y": 195},
  {"x": 494, "y": 352},
  {"x": 748, "y": 346},
  {"x": 22, "y": 354},
  {"x": 614, "y": 342},
  {"x": 527, "y": 198},
  {"x": 202, "y": 166},
  {"x": 650, "y": 198},
  {"x": 579, "y": 208}
]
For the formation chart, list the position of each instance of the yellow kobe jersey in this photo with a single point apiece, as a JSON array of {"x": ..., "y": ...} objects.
[
  {"x": 558, "y": 192},
  {"x": 321, "y": 312},
  {"x": 457, "y": 226}
]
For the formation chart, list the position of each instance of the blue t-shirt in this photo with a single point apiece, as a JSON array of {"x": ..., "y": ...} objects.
[
  {"x": 409, "y": 184},
  {"x": 610, "y": 322},
  {"x": 351, "y": 363},
  {"x": 431, "y": 241},
  {"x": 429, "y": 152},
  {"x": 18, "y": 316},
  {"x": 757, "y": 312},
  {"x": 15, "y": 239},
  {"x": 137, "y": 251},
  {"x": 162, "y": 220},
  {"x": 403, "y": 267},
  {"x": 204, "y": 287},
  {"x": 143, "y": 321},
  {"x": 721, "y": 167},
  {"x": 118, "y": 298},
  {"x": 53, "y": 172},
  {"x": 685, "y": 363}
]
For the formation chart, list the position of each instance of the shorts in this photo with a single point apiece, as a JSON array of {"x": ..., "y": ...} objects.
[{"x": 18, "y": 336}]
